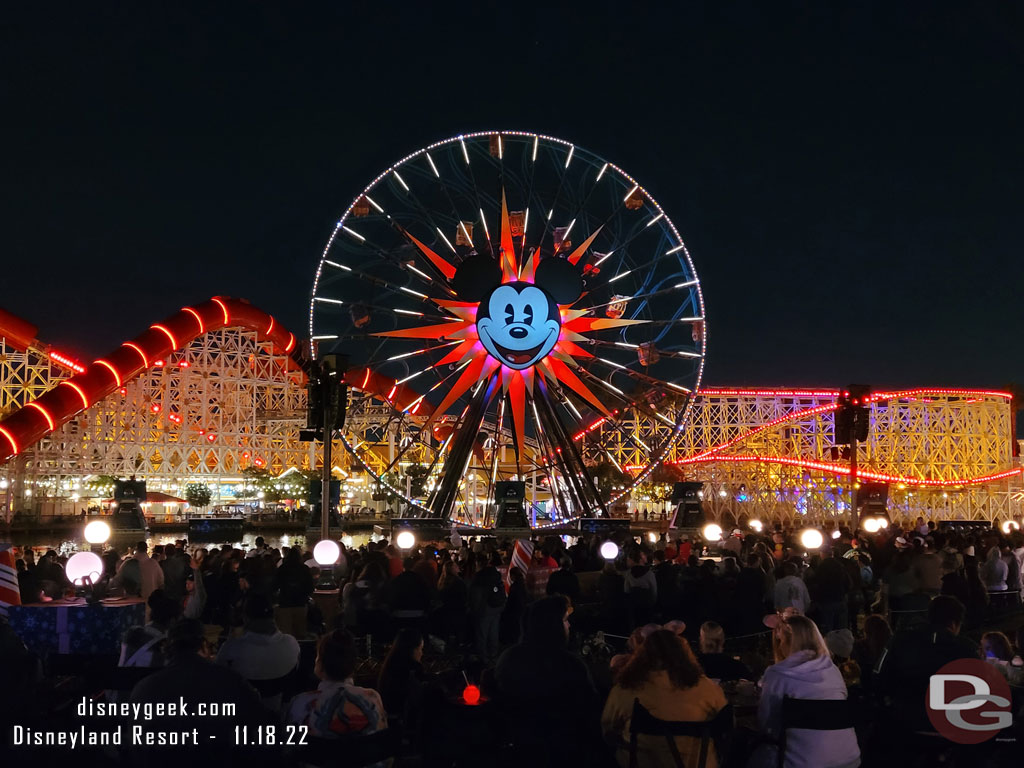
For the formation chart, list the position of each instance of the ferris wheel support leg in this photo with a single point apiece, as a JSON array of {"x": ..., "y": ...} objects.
[
  {"x": 574, "y": 470},
  {"x": 442, "y": 501}
]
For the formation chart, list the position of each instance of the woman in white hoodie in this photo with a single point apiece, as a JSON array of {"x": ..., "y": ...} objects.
[{"x": 803, "y": 670}]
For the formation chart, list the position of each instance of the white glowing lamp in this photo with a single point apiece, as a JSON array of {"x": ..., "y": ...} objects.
[
  {"x": 835, "y": 534},
  {"x": 1010, "y": 525},
  {"x": 756, "y": 525},
  {"x": 882, "y": 523},
  {"x": 97, "y": 532},
  {"x": 871, "y": 525},
  {"x": 712, "y": 532},
  {"x": 811, "y": 538},
  {"x": 405, "y": 540},
  {"x": 326, "y": 552},
  {"x": 609, "y": 550},
  {"x": 84, "y": 564}
]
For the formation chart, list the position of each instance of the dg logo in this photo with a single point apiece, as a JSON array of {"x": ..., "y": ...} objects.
[{"x": 968, "y": 701}]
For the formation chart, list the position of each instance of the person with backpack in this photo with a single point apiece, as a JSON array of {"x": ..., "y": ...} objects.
[{"x": 486, "y": 603}]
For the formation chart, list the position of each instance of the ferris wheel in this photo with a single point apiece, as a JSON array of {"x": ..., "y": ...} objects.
[{"x": 511, "y": 307}]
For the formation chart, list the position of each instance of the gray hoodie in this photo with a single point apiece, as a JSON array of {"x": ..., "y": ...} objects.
[{"x": 802, "y": 676}]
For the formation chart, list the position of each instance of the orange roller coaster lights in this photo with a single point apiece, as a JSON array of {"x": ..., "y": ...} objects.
[
  {"x": 202, "y": 328},
  {"x": 46, "y": 415},
  {"x": 158, "y": 327},
  {"x": 137, "y": 348},
  {"x": 10, "y": 439},
  {"x": 112, "y": 369},
  {"x": 78, "y": 389},
  {"x": 224, "y": 309}
]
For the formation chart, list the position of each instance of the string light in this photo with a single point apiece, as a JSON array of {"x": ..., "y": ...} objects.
[{"x": 66, "y": 362}]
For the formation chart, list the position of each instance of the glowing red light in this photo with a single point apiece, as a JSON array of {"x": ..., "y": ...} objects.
[
  {"x": 155, "y": 409},
  {"x": 471, "y": 695},
  {"x": 183, "y": 364},
  {"x": 159, "y": 363},
  {"x": 46, "y": 414},
  {"x": 10, "y": 439},
  {"x": 123, "y": 390},
  {"x": 195, "y": 314},
  {"x": 67, "y": 362},
  {"x": 224, "y": 309},
  {"x": 259, "y": 462},
  {"x": 211, "y": 438}
]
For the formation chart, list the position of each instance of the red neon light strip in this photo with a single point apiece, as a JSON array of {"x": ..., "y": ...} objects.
[
  {"x": 291, "y": 343},
  {"x": 907, "y": 393},
  {"x": 898, "y": 394},
  {"x": 137, "y": 348},
  {"x": 838, "y": 469},
  {"x": 10, "y": 439},
  {"x": 174, "y": 342},
  {"x": 270, "y": 327},
  {"x": 46, "y": 415},
  {"x": 195, "y": 314},
  {"x": 224, "y": 308},
  {"x": 78, "y": 389},
  {"x": 112, "y": 369},
  {"x": 712, "y": 392},
  {"x": 771, "y": 424}
]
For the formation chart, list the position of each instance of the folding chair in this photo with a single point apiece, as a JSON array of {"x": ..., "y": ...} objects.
[{"x": 708, "y": 731}]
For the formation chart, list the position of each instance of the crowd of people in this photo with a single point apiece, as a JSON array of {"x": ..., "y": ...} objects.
[{"x": 571, "y": 647}]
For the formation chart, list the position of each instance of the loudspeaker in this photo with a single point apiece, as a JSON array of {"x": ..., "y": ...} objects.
[
  {"x": 316, "y": 493},
  {"x": 130, "y": 490},
  {"x": 872, "y": 497},
  {"x": 686, "y": 492},
  {"x": 509, "y": 490}
]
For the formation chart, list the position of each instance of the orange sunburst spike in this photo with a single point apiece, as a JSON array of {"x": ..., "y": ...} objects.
[
  {"x": 571, "y": 348},
  {"x": 446, "y": 267},
  {"x": 560, "y": 355},
  {"x": 517, "y": 398},
  {"x": 597, "y": 323},
  {"x": 469, "y": 377},
  {"x": 528, "y": 378},
  {"x": 458, "y": 354},
  {"x": 509, "y": 270},
  {"x": 428, "y": 331},
  {"x": 565, "y": 375},
  {"x": 576, "y": 255},
  {"x": 529, "y": 271},
  {"x": 465, "y": 313}
]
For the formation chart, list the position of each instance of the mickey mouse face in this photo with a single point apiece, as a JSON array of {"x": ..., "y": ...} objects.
[{"x": 518, "y": 324}]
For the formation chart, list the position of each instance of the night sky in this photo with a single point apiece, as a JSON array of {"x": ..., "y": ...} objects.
[{"x": 847, "y": 176}]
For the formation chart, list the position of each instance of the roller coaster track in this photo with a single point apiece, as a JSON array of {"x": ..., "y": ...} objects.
[{"x": 38, "y": 418}]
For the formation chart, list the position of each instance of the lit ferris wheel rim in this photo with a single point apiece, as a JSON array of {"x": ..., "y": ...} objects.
[{"x": 463, "y": 200}]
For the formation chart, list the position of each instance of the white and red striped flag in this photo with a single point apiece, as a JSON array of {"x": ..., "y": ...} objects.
[
  {"x": 10, "y": 593},
  {"x": 522, "y": 556}
]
